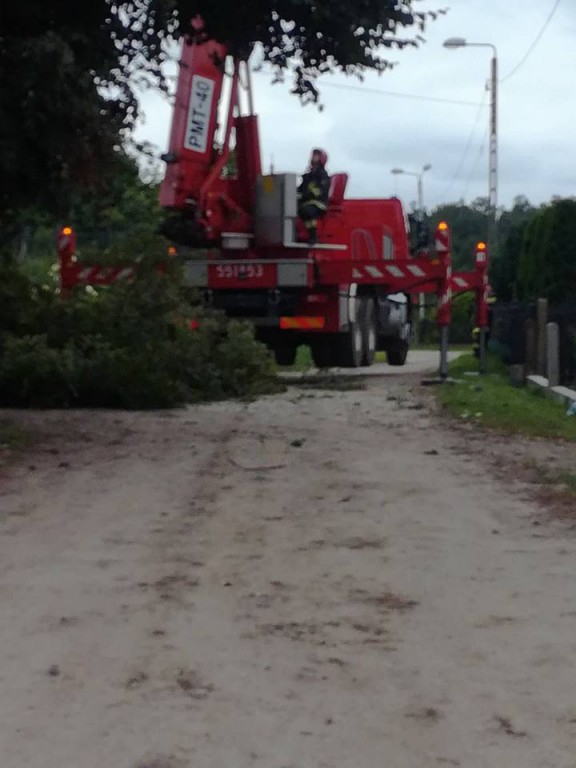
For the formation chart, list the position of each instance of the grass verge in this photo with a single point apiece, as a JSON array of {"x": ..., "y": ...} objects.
[
  {"x": 435, "y": 347},
  {"x": 491, "y": 401},
  {"x": 303, "y": 360},
  {"x": 12, "y": 439}
]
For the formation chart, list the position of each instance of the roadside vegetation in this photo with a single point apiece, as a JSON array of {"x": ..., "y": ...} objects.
[
  {"x": 491, "y": 401},
  {"x": 127, "y": 346},
  {"x": 12, "y": 440}
]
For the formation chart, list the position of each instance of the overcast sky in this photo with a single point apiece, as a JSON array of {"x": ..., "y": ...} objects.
[{"x": 367, "y": 134}]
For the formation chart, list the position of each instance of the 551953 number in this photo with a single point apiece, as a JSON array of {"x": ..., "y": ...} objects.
[{"x": 239, "y": 271}]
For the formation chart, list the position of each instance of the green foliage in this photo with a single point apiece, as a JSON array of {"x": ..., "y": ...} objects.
[
  {"x": 12, "y": 440},
  {"x": 127, "y": 346},
  {"x": 70, "y": 72},
  {"x": 463, "y": 315},
  {"x": 326, "y": 35},
  {"x": 512, "y": 227},
  {"x": 468, "y": 224},
  {"x": 469, "y": 364},
  {"x": 125, "y": 209},
  {"x": 547, "y": 260},
  {"x": 491, "y": 401}
]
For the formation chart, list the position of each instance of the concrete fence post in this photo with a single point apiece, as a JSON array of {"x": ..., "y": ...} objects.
[
  {"x": 541, "y": 321},
  {"x": 553, "y": 354},
  {"x": 530, "y": 342}
]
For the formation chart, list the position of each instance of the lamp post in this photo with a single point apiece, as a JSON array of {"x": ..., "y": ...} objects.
[
  {"x": 418, "y": 175},
  {"x": 461, "y": 42}
]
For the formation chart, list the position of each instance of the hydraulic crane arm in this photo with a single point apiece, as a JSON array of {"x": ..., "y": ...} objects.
[
  {"x": 205, "y": 202},
  {"x": 191, "y": 152}
]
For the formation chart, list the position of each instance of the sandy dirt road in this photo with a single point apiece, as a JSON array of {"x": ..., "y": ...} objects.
[{"x": 320, "y": 579}]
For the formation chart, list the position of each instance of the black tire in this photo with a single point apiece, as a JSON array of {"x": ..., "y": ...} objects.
[
  {"x": 351, "y": 343},
  {"x": 285, "y": 354},
  {"x": 324, "y": 351},
  {"x": 397, "y": 352},
  {"x": 369, "y": 339}
]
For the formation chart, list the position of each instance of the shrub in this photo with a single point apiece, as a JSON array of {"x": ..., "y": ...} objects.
[{"x": 124, "y": 346}]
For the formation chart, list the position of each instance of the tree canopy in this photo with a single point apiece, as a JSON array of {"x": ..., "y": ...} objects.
[
  {"x": 315, "y": 36},
  {"x": 69, "y": 72},
  {"x": 547, "y": 258}
]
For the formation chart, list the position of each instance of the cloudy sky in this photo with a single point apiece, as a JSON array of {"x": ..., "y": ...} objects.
[{"x": 407, "y": 117}]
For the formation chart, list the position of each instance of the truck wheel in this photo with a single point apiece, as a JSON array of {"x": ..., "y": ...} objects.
[
  {"x": 286, "y": 354},
  {"x": 324, "y": 351},
  {"x": 351, "y": 343},
  {"x": 397, "y": 352},
  {"x": 369, "y": 333}
]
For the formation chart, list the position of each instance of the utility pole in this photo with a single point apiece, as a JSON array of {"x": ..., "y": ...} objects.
[
  {"x": 461, "y": 42},
  {"x": 493, "y": 161}
]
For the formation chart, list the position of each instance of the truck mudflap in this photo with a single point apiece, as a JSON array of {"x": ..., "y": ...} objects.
[{"x": 250, "y": 274}]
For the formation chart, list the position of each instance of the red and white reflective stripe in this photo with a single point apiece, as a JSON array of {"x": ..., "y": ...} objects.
[
  {"x": 125, "y": 273},
  {"x": 104, "y": 274},
  {"x": 395, "y": 271},
  {"x": 410, "y": 270},
  {"x": 442, "y": 240},
  {"x": 415, "y": 270},
  {"x": 445, "y": 299},
  {"x": 460, "y": 282},
  {"x": 87, "y": 274},
  {"x": 302, "y": 323},
  {"x": 441, "y": 246}
]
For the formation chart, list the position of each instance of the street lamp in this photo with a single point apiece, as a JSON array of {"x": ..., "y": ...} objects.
[
  {"x": 417, "y": 175},
  {"x": 461, "y": 42}
]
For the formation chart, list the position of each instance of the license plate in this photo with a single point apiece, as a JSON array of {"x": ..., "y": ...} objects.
[{"x": 255, "y": 275}]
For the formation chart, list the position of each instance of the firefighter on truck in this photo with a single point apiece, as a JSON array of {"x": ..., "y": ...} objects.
[{"x": 313, "y": 193}]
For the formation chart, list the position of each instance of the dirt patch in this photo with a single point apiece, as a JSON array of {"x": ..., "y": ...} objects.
[
  {"x": 293, "y": 630},
  {"x": 542, "y": 469},
  {"x": 136, "y": 681},
  {"x": 425, "y": 715},
  {"x": 505, "y": 725},
  {"x": 193, "y": 685},
  {"x": 384, "y": 601},
  {"x": 362, "y": 543},
  {"x": 161, "y": 761},
  {"x": 331, "y": 382}
]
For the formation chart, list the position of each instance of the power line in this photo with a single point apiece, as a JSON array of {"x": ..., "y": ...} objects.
[
  {"x": 535, "y": 42},
  {"x": 466, "y": 149},
  {"x": 476, "y": 161},
  {"x": 394, "y": 94},
  {"x": 398, "y": 94}
]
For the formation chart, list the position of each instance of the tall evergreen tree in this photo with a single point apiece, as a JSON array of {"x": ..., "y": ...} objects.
[{"x": 547, "y": 263}]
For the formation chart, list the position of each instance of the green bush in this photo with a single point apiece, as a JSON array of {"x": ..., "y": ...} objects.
[
  {"x": 461, "y": 326},
  {"x": 34, "y": 374},
  {"x": 125, "y": 346}
]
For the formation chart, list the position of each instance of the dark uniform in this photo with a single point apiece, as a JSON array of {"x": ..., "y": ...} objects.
[{"x": 313, "y": 193}]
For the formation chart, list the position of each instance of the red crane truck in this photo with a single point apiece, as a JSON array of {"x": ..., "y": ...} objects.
[{"x": 244, "y": 248}]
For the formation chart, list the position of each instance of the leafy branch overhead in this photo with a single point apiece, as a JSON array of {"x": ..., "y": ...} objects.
[
  {"x": 322, "y": 34},
  {"x": 312, "y": 37},
  {"x": 72, "y": 71}
]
